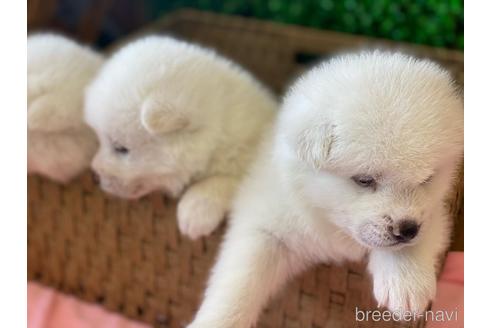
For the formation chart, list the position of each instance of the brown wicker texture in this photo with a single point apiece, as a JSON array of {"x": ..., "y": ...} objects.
[
  {"x": 39, "y": 12},
  {"x": 129, "y": 255},
  {"x": 41, "y": 16}
]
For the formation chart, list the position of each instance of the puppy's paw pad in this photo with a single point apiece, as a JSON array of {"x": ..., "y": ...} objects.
[{"x": 198, "y": 216}]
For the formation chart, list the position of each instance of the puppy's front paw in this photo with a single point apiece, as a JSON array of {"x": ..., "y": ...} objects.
[
  {"x": 199, "y": 215},
  {"x": 195, "y": 324},
  {"x": 214, "y": 322},
  {"x": 405, "y": 289}
]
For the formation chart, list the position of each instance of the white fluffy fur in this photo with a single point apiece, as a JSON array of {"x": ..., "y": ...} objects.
[
  {"x": 387, "y": 115},
  {"x": 190, "y": 119},
  {"x": 60, "y": 144}
]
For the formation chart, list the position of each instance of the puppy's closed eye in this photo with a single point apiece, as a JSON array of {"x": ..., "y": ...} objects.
[
  {"x": 120, "y": 149},
  {"x": 365, "y": 181}
]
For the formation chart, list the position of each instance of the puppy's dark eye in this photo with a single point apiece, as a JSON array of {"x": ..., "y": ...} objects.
[
  {"x": 365, "y": 181},
  {"x": 119, "y": 149}
]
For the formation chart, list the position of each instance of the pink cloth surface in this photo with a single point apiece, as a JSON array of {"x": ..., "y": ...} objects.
[
  {"x": 50, "y": 309},
  {"x": 450, "y": 294},
  {"x": 47, "y": 308}
]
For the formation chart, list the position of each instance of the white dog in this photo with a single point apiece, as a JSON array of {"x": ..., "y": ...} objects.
[
  {"x": 60, "y": 144},
  {"x": 361, "y": 159},
  {"x": 177, "y": 118}
]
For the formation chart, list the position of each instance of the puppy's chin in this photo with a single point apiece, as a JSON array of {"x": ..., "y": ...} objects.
[
  {"x": 382, "y": 244},
  {"x": 131, "y": 194},
  {"x": 125, "y": 195}
]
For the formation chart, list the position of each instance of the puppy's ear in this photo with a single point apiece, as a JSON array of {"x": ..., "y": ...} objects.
[
  {"x": 47, "y": 115},
  {"x": 160, "y": 117},
  {"x": 313, "y": 144}
]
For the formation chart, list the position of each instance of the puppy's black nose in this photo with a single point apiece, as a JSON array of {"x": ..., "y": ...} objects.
[
  {"x": 95, "y": 177},
  {"x": 407, "y": 230}
]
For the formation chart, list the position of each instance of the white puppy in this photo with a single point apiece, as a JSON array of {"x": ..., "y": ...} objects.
[
  {"x": 60, "y": 144},
  {"x": 361, "y": 159},
  {"x": 175, "y": 117}
]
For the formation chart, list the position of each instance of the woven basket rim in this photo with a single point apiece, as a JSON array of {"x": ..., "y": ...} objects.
[{"x": 280, "y": 28}]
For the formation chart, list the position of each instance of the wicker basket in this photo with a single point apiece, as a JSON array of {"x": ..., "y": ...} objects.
[{"x": 129, "y": 255}]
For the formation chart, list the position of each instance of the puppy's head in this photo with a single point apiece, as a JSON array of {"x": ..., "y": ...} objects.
[
  {"x": 60, "y": 144},
  {"x": 373, "y": 141},
  {"x": 152, "y": 129}
]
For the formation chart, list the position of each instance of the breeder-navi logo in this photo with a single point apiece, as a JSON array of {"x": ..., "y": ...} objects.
[{"x": 386, "y": 315}]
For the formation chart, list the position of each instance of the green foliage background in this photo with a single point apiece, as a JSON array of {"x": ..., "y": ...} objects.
[{"x": 433, "y": 22}]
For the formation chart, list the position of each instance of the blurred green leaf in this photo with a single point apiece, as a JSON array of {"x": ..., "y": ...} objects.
[{"x": 433, "y": 22}]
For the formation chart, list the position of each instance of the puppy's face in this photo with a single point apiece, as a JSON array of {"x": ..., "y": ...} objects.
[
  {"x": 60, "y": 144},
  {"x": 145, "y": 145},
  {"x": 380, "y": 206},
  {"x": 376, "y": 140}
]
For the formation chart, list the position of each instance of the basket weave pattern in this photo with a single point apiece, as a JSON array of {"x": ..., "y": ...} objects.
[{"x": 129, "y": 255}]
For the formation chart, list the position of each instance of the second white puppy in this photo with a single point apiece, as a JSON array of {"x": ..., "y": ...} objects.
[
  {"x": 175, "y": 117},
  {"x": 360, "y": 162},
  {"x": 60, "y": 144}
]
